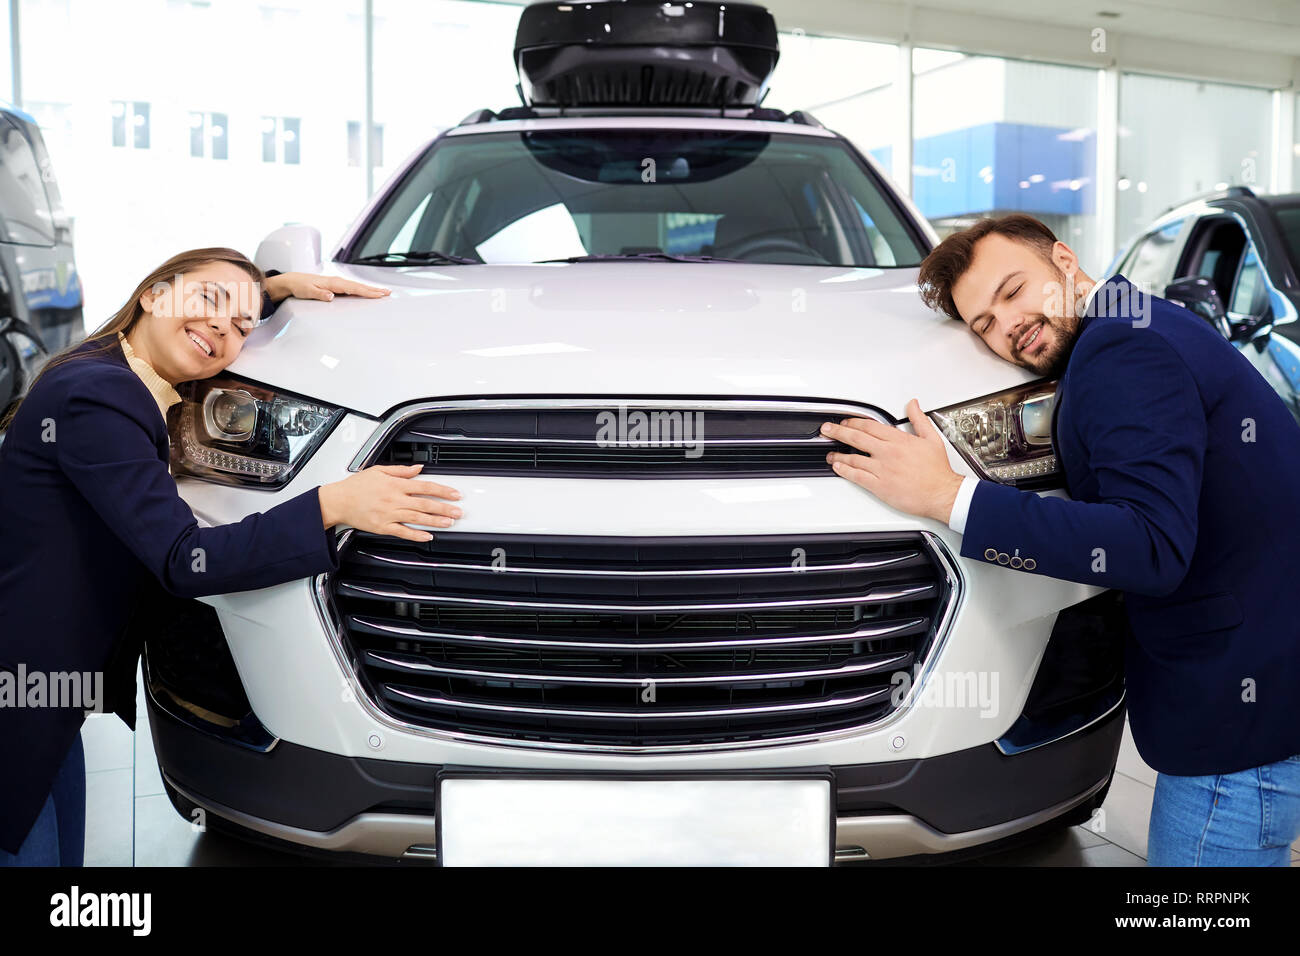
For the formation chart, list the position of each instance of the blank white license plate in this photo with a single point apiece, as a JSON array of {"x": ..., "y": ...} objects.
[{"x": 743, "y": 821}]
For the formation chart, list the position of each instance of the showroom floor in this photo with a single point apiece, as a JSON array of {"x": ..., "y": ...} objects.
[{"x": 130, "y": 821}]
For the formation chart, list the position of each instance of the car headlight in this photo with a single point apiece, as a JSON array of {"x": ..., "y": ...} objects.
[
  {"x": 1007, "y": 437},
  {"x": 232, "y": 432}
]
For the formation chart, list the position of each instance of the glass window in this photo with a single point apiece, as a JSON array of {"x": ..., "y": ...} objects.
[
  {"x": 1250, "y": 294},
  {"x": 1214, "y": 251},
  {"x": 140, "y": 125},
  {"x": 1288, "y": 218},
  {"x": 994, "y": 136},
  {"x": 270, "y": 131},
  {"x": 1150, "y": 264},
  {"x": 198, "y": 134},
  {"x": 1295, "y": 149},
  {"x": 24, "y": 207},
  {"x": 437, "y": 61},
  {"x": 376, "y": 143},
  {"x": 1165, "y": 154},
  {"x": 290, "y": 127},
  {"x": 847, "y": 84},
  {"x": 52, "y": 137},
  {"x": 280, "y": 139},
  {"x": 252, "y": 56},
  {"x": 130, "y": 124},
  {"x": 217, "y": 129},
  {"x": 208, "y": 135},
  {"x": 536, "y": 196},
  {"x": 6, "y": 59}
]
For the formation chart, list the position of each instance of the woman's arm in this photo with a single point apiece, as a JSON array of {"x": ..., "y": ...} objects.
[
  {"x": 105, "y": 444},
  {"x": 306, "y": 285}
]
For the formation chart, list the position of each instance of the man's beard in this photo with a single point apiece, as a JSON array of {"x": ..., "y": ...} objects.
[{"x": 1051, "y": 363}]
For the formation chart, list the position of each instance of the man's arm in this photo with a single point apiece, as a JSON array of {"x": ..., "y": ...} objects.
[{"x": 1143, "y": 428}]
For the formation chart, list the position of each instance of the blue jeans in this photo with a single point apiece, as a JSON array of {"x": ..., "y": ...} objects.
[
  {"x": 1247, "y": 818},
  {"x": 58, "y": 836}
]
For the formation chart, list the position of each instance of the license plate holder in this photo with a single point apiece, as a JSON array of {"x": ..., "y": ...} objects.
[{"x": 750, "y": 818}]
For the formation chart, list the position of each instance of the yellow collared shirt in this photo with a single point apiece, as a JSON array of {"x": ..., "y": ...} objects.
[{"x": 159, "y": 388}]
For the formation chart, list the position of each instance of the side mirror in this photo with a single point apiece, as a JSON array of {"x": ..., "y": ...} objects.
[
  {"x": 1199, "y": 295},
  {"x": 291, "y": 248}
]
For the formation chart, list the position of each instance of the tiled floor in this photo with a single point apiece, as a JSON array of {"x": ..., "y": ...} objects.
[{"x": 130, "y": 821}]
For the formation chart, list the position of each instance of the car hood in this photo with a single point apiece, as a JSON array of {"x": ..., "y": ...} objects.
[{"x": 629, "y": 329}]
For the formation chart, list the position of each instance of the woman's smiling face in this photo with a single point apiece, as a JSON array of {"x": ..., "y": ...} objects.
[{"x": 195, "y": 325}]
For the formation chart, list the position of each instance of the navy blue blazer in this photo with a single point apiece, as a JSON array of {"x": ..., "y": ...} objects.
[
  {"x": 90, "y": 519},
  {"x": 1184, "y": 467}
]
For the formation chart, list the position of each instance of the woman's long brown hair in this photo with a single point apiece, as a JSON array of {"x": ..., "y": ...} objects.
[{"x": 125, "y": 318}]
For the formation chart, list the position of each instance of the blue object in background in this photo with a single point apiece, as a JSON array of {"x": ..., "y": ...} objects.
[{"x": 982, "y": 168}]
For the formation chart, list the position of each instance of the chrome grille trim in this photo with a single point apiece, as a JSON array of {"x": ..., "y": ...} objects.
[
  {"x": 675, "y": 573},
  {"x": 432, "y": 598},
  {"x": 732, "y": 678},
  {"x": 459, "y": 704},
  {"x": 868, "y": 633},
  {"x": 646, "y": 443},
  {"x": 948, "y": 611}
]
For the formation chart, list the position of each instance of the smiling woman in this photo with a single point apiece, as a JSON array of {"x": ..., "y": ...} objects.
[{"x": 89, "y": 513}]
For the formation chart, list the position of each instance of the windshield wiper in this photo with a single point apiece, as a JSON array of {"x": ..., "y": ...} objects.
[
  {"x": 423, "y": 256},
  {"x": 647, "y": 256}
]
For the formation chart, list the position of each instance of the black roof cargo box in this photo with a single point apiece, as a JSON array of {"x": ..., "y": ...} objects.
[{"x": 645, "y": 53}]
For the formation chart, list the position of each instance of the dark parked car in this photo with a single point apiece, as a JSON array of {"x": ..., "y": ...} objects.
[
  {"x": 40, "y": 291},
  {"x": 1232, "y": 257}
]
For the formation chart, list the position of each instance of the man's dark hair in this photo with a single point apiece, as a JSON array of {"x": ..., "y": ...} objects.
[{"x": 951, "y": 258}]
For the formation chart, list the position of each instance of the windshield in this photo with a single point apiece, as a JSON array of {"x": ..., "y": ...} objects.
[{"x": 560, "y": 194}]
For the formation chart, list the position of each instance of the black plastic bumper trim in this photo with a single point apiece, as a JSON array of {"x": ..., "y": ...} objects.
[{"x": 314, "y": 790}]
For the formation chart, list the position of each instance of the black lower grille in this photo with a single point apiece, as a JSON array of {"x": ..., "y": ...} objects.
[{"x": 637, "y": 642}]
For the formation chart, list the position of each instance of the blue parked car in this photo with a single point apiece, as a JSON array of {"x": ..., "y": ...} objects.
[{"x": 1233, "y": 257}]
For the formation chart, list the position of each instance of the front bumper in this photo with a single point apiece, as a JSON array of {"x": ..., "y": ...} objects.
[{"x": 309, "y": 800}]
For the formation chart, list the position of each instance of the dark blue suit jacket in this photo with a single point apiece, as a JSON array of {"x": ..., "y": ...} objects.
[
  {"x": 90, "y": 518},
  {"x": 1184, "y": 467}
]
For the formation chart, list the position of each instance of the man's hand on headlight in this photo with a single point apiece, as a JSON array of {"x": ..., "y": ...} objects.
[{"x": 907, "y": 472}]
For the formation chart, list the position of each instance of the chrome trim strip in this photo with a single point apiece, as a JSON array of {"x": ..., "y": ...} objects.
[
  {"x": 423, "y": 667},
  {"x": 1123, "y": 695},
  {"x": 414, "y": 836},
  {"x": 811, "y": 440},
  {"x": 676, "y": 573},
  {"x": 452, "y": 703},
  {"x": 956, "y": 591},
  {"x": 868, "y": 633},
  {"x": 869, "y": 598},
  {"x": 399, "y": 418},
  {"x": 326, "y": 616}
]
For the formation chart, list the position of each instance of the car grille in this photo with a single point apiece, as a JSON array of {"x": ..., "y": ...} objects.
[
  {"x": 587, "y": 438},
  {"x": 637, "y": 642}
]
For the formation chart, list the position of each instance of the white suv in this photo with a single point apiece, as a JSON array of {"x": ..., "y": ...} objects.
[{"x": 617, "y": 329}]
